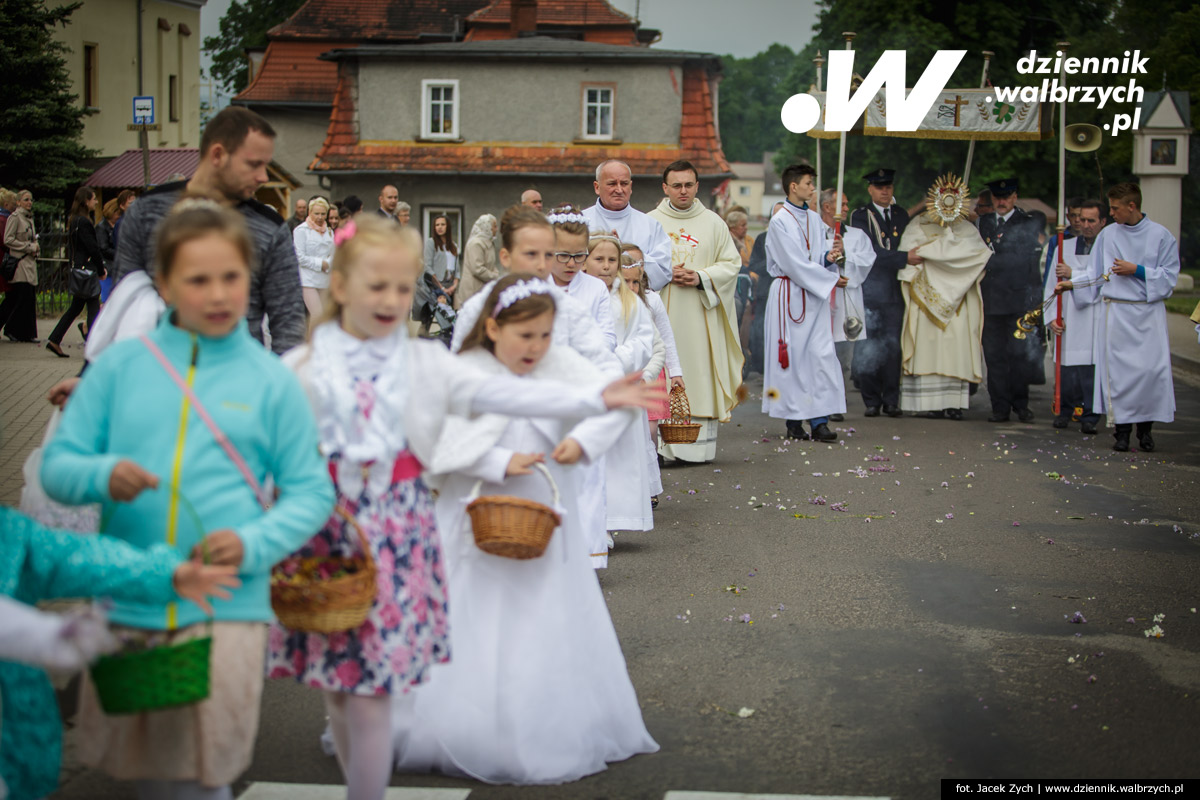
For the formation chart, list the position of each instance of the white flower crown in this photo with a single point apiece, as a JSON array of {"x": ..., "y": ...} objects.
[
  {"x": 519, "y": 291},
  {"x": 603, "y": 236},
  {"x": 557, "y": 217}
]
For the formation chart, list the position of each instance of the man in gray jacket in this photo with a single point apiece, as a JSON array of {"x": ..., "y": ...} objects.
[{"x": 235, "y": 150}]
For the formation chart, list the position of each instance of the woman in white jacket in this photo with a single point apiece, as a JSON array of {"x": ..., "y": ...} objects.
[{"x": 313, "y": 241}]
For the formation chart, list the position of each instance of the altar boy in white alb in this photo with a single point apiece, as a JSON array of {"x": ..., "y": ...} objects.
[
  {"x": 1080, "y": 325},
  {"x": 802, "y": 378},
  {"x": 860, "y": 257},
  {"x": 1133, "y": 356}
]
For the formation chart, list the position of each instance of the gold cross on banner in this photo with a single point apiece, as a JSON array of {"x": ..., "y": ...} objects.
[{"x": 958, "y": 103}]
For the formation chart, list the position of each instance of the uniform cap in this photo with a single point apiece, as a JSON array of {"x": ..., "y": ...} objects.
[{"x": 880, "y": 177}]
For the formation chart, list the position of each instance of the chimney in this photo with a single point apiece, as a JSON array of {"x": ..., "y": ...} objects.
[{"x": 524, "y": 18}]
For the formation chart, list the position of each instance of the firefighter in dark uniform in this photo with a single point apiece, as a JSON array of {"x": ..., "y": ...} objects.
[
  {"x": 876, "y": 364},
  {"x": 1011, "y": 287}
]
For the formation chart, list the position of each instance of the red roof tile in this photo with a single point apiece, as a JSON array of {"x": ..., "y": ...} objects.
[
  {"x": 557, "y": 13},
  {"x": 497, "y": 160},
  {"x": 698, "y": 128},
  {"x": 375, "y": 20},
  {"x": 595, "y": 19},
  {"x": 126, "y": 169},
  {"x": 292, "y": 73}
]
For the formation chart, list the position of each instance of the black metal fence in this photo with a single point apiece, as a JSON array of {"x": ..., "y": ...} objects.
[{"x": 52, "y": 295}]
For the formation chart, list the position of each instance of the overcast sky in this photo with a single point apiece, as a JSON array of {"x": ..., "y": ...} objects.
[{"x": 739, "y": 28}]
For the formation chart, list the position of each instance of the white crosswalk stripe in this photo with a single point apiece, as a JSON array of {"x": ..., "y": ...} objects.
[
  {"x": 298, "y": 791},
  {"x": 676, "y": 795}
]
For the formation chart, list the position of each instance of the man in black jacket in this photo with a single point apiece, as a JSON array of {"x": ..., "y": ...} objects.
[
  {"x": 876, "y": 364},
  {"x": 235, "y": 150},
  {"x": 1011, "y": 286}
]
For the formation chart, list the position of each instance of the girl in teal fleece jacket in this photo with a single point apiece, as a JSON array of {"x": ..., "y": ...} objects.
[
  {"x": 131, "y": 440},
  {"x": 37, "y": 563}
]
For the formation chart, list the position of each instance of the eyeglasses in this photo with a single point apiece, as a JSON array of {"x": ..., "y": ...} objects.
[{"x": 567, "y": 258}]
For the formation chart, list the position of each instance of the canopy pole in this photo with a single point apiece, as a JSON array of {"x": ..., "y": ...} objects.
[
  {"x": 819, "y": 61},
  {"x": 987, "y": 57},
  {"x": 841, "y": 174},
  {"x": 1062, "y": 218}
]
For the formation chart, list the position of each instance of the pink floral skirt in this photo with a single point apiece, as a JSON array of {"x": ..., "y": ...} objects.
[
  {"x": 663, "y": 410},
  {"x": 405, "y": 631}
]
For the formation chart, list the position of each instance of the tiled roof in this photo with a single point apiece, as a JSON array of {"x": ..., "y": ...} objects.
[
  {"x": 291, "y": 72},
  {"x": 375, "y": 20},
  {"x": 474, "y": 159},
  {"x": 698, "y": 128},
  {"x": 342, "y": 151},
  {"x": 126, "y": 169},
  {"x": 557, "y": 12},
  {"x": 533, "y": 48}
]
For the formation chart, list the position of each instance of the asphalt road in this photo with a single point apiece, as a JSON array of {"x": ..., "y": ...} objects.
[{"x": 913, "y": 627}]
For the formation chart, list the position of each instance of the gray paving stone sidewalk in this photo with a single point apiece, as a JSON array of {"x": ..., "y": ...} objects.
[{"x": 29, "y": 370}]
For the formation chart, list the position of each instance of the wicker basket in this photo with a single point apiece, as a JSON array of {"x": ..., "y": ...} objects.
[
  {"x": 305, "y": 601},
  {"x": 513, "y": 527},
  {"x": 148, "y": 680},
  {"x": 150, "y": 676},
  {"x": 679, "y": 429}
]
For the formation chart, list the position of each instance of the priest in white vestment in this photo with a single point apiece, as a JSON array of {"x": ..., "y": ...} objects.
[
  {"x": 1080, "y": 325},
  {"x": 1133, "y": 355},
  {"x": 941, "y": 343},
  {"x": 700, "y": 304},
  {"x": 802, "y": 378},
  {"x": 612, "y": 213}
]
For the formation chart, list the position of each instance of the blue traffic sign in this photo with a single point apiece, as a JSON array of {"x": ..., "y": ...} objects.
[{"x": 143, "y": 111}]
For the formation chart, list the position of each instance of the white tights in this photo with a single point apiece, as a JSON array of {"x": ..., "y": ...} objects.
[
  {"x": 312, "y": 301},
  {"x": 362, "y": 735},
  {"x": 180, "y": 790}
]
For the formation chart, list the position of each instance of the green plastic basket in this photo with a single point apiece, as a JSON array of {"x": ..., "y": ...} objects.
[
  {"x": 162, "y": 677},
  {"x": 159, "y": 677}
]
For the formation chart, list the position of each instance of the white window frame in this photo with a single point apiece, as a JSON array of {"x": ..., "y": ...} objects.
[
  {"x": 612, "y": 110},
  {"x": 427, "y": 87},
  {"x": 431, "y": 212}
]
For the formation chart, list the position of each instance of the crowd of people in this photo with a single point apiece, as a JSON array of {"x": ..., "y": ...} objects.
[
  {"x": 934, "y": 303},
  {"x": 214, "y": 461}
]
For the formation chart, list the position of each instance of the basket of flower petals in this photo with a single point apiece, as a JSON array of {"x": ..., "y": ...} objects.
[{"x": 325, "y": 594}]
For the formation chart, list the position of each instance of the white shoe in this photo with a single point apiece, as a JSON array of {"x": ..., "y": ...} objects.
[
  {"x": 609, "y": 536},
  {"x": 327, "y": 745}
]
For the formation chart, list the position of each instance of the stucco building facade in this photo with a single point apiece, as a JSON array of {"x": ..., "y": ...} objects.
[{"x": 103, "y": 64}]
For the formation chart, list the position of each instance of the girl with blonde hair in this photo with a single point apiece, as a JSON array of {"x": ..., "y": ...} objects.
[
  {"x": 381, "y": 400},
  {"x": 627, "y": 479}
]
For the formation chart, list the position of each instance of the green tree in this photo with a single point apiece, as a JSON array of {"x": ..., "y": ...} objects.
[
  {"x": 41, "y": 121},
  {"x": 752, "y": 91},
  {"x": 244, "y": 25},
  {"x": 1168, "y": 31}
]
